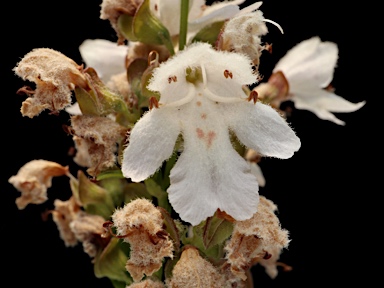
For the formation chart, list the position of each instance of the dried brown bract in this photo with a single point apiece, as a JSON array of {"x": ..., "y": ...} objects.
[
  {"x": 255, "y": 239},
  {"x": 96, "y": 140},
  {"x": 33, "y": 180},
  {"x": 55, "y": 76},
  {"x": 141, "y": 225},
  {"x": 192, "y": 270}
]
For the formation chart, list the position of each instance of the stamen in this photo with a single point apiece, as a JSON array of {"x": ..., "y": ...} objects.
[
  {"x": 274, "y": 23},
  {"x": 217, "y": 98},
  {"x": 25, "y": 90},
  {"x": 153, "y": 102},
  {"x": 267, "y": 255},
  {"x": 204, "y": 75},
  {"x": 191, "y": 94},
  {"x": 153, "y": 59}
]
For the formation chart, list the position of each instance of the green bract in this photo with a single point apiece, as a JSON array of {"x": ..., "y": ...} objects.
[{"x": 145, "y": 27}]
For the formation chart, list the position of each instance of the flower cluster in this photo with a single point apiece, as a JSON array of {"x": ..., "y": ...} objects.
[{"x": 169, "y": 124}]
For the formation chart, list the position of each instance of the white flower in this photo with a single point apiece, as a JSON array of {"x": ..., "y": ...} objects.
[
  {"x": 199, "y": 15},
  {"x": 106, "y": 57},
  {"x": 202, "y": 99},
  {"x": 309, "y": 67}
]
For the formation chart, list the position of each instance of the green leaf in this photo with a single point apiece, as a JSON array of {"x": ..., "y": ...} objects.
[
  {"x": 115, "y": 188},
  {"x": 171, "y": 228},
  {"x": 155, "y": 190},
  {"x": 74, "y": 184},
  {"x": 87, "y": 102},
  {"x": 216, "y": 231},
  {"x": 111, "y": 173},
  {"x": 214, "y": 253},
  {"x": 109, "y": 101},
  {"x": 95, "y": 199},
  {"x": 209, "y": 33},
  {"x": 134, "y": 191},
  {"x": 145, "y": 27},
  {"x": 169, "y": 264},
  {"x": 111, "y": 263},
  {"x": 125, "y": 24}
]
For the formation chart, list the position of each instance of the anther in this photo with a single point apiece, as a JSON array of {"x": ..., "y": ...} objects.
[
  {"x": 172, "y": 78},
  {"x": 253, "y": 96},
  {"x": 267, "y": 256},
  {"x": 268, "y": 47},
  {"x": 228, "y": 73},
  {"x": 153, "y": 102}
]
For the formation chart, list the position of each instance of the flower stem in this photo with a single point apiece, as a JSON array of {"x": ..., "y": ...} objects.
[{"x": 184, "y": 9}]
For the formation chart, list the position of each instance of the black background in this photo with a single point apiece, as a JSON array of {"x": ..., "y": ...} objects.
[{"x": 323, "y": 192}]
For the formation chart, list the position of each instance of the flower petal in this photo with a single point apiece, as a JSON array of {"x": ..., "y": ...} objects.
[
  {"x": 311, "y": 59},
  {"x": 219, "y": 72},
  {"x": 166, "y": 11},
  {"x": 322, "y": 102},
  {"x": 262, "y": 128},
  {"x": 73, "y": 109},
  {"x": 231, "y": 188},
  {"x": 256, "y": 170},
  {"x": 151, "y": 141},
  {"x": 106, "y": 57},
  {"x": 214, "y": 15}
]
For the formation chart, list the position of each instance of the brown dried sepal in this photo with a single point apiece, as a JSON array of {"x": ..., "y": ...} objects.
[
  {"x": 141, "y": 225},
  {"x": 147, "y": 283},
  {"x": 55, "y": 76},
  {"x": 88, "y": 229},
  {"x": 112, "y": 9},
  {"x": 33, "y": 179},
  {"x": 96, "y": 140},
  {"x": 255, "y": 239},
  {"x": 64, "y": 213},
  {"x": 192, "y": 270}
]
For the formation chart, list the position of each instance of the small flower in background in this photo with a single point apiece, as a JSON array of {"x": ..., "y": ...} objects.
[
  {"x": 202, "y": 97},
  {"x": 303, "y": 76},
  {"x": 112, "y": 62},
  {"x": 200, "y": 15}
]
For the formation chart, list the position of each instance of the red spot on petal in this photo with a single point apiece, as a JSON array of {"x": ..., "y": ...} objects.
[
  {"x": 210, "y": 138},
  {"x": 200, "y": 133},
  {"x": 198, "y": 103},
  {"x": 203, "y": 116}
]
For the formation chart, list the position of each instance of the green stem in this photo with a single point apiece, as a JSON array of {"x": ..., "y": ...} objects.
[{"x": 184, "y": 9}]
